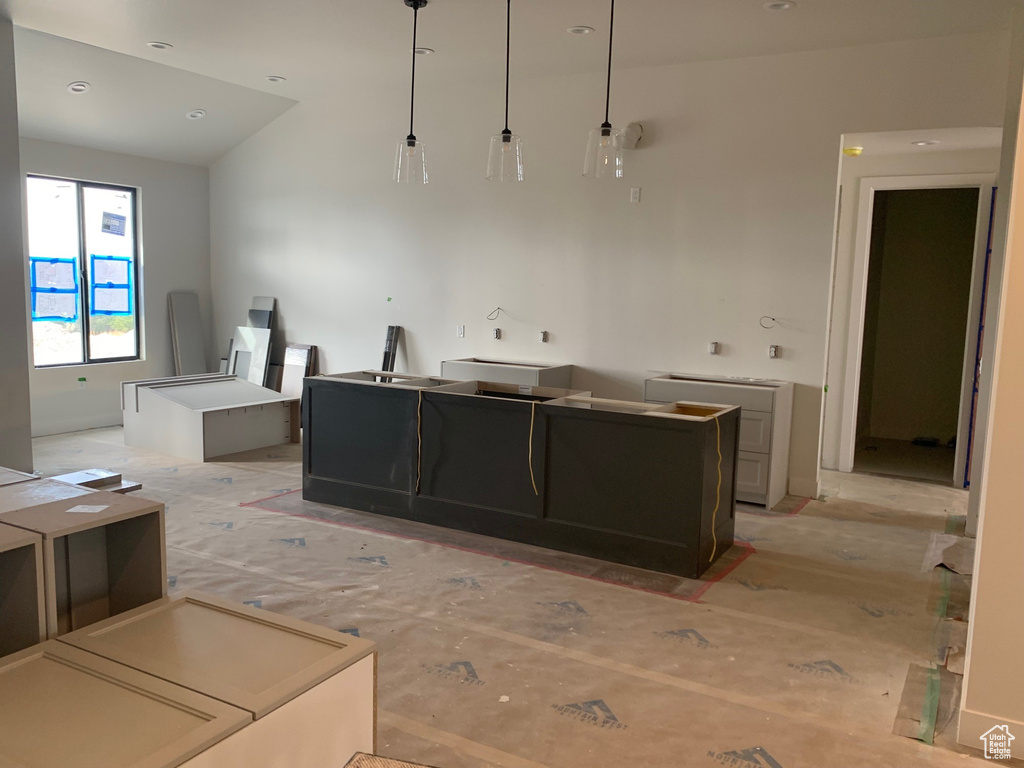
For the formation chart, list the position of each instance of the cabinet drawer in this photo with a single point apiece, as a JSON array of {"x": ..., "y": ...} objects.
[
  {"x": 755, "y": 431},
  {"x": 752, "y": 474},
  {"x": 746, "y": 396}
]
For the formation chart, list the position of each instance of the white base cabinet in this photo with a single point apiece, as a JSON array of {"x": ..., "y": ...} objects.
[
  {"x": 762, "y": 475},
  {"x": 310, "y": 691}
]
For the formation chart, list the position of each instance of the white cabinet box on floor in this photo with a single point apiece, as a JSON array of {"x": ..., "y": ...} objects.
[
  {"x": 762, "y": 474},
  {"x": 202, "y": 417},
  {"x": 311, "y": 691},
  {"x": 64, "y": 708},
  {"x": 508, "y": 372},
  {"x": 24, "y": 495},
  {"x": 103, "y": 553},
  {"x": 12, "y": 476},
  {"x": 22, "y": 607}
]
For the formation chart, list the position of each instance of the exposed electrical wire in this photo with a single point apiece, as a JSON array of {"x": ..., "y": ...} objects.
[
  {"x": 419, "y": 440},
  {"x": 533, "y": 414},
  {"x": 718, "y": 491},
  {"x": 494, "y": 315},
  {"x": 766, "y": 317}
]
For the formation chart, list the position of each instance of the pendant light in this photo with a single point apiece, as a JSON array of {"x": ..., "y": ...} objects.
[
  {"x": 505, "y": 161},
  {"x": 604, "y": 147},
  {"x": 410, "y": 160}
]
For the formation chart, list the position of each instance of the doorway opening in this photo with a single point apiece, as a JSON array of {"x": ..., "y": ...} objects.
[
  {"x": 918, "y": 297},
  {"x": 903, "y": 273}
]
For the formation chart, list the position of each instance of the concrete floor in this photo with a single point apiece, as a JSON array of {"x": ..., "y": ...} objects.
[
  {"x": 793, "y": 651},
  {"x": 901, "y": 458}
]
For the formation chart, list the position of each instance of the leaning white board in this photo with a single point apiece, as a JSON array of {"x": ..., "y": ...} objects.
[
  {"x": 187, "y": 337},
  {"x": 250, "y": 354}
]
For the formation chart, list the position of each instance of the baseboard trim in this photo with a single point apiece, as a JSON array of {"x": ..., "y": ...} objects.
[
  {"x": 974, "y": 724},
  {"x": 77, "y": 425}
]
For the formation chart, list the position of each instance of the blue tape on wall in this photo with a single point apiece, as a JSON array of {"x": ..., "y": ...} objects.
[
  {"x": 53, "y": 286},
  {"x": 110, "y": 288}
]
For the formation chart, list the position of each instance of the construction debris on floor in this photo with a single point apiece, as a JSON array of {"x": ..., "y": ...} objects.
[{"x": 794, "y": 651}]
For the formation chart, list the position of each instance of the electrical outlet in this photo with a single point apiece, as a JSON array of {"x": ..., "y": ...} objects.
[
  {"x": 496, "y": 333},
  {"x": 774, "y": 351},
  {"x": 460, "y": 331},
  {"x": 543, "y": 337},
  {"x": 81, "y": 382},
  {"x": 634, "y": 194},
  {"x": 713, "y": 348}
]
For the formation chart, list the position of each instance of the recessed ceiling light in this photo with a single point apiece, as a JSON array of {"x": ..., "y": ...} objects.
[
  {"x": 276, "y": 78},
  {"x": 779, "y": 5},
  {"x": 79, "y": 86},
  {"x": 196, "y": 114},
  {"x": 580, "y": 30},
  {"x": 928, "y": 143},
  {"x": 424, "y": 51},
  {"x": 159, "y": 45}
]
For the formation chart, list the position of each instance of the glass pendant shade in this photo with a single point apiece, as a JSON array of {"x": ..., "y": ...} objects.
[
  {"x": 505, "y": 161},
  {"x": 410, "y": 162},
  {"x": 604, "y": 154}
]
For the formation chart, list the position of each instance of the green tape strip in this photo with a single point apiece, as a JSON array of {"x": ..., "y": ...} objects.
[{"x": 930, "y": 710}]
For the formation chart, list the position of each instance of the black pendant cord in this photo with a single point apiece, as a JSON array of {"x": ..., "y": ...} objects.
[
  {"x": 412, "y": 99},
  {"x": 608, "y": 90},
  {"x": 508, "y": 47}
]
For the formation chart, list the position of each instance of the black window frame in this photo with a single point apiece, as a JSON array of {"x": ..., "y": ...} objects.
[{"x": 83, "y": 271}]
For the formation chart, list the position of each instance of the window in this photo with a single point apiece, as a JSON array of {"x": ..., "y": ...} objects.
[{"x": 83, "y": 272}]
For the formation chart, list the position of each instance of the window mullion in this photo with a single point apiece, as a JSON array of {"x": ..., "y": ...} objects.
[{"x": 84, "y": 272}]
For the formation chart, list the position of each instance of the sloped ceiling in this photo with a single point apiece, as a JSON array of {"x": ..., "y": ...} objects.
[{"x": 224, "y": 50}]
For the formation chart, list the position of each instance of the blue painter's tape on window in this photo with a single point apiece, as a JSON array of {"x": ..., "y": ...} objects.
[
  {"x": 53, "y": 284},
  {"x": 110, "y": 285}
]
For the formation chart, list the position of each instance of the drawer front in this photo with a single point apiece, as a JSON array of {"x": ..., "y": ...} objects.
[
  {"x": 752, "y": 474},
  {"x": 660, "y": 390},
  {"x": 755, "y": 431}
]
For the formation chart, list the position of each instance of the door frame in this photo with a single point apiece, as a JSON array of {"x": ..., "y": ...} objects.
[{"x": 855, "y": 335}]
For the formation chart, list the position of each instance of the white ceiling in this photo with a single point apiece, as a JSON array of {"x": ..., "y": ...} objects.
[
  {"x": 902, "y": 142},
  {"x": 135, "y": 106},
  {"x": 326, "y": 46}
]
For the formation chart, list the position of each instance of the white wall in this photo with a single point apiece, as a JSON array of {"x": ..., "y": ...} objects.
[
  {"x": 175, "y": 227},
  {"x": 738, "y": 170},
  {"x": 1007, "y": 177},
  {"x": 15, "y": 437},
  {"x": 994, "y": 675},
  {"x": 930, "y": 163}
]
